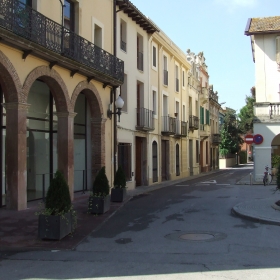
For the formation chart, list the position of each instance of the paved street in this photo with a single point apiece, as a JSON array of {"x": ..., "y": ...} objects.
[{"x": 182, "y": 231}]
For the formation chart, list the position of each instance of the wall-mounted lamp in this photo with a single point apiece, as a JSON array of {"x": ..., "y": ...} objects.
[{"x": 119, "y": 104}]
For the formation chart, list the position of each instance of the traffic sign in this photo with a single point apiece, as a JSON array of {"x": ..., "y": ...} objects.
[
  {"x": 258, "y": 139},
  {"x": 249, "y": 139}
]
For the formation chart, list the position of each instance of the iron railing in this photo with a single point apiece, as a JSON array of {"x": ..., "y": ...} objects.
[
  {"x": 165, "y": 77},
  {"x": 168, "y": 125},
  {"x": 144, "y": 119},
  {"x": 123, "y": 45},
  {"x": 216, "y": 138},
  {"x": 193, "y": 122},
  {"x": 140, "y": 64},
  {"x": 184, "y": 128},
  {"x": 181, "y": 129},
  {"x": 26, "y": 22}
]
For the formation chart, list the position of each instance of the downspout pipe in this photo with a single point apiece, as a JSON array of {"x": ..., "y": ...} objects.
[{"x": 114, "y": 88}]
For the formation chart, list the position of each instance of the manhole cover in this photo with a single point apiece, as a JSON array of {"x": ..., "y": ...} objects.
[{"x": 197, "y": 236}]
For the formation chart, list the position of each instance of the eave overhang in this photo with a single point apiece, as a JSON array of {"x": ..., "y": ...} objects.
[{"x": 128, "y": 8}]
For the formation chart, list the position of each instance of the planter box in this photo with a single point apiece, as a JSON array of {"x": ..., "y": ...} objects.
[
  {"x": 99, "y": 205},
  {"x": 54, "y": 227},
  {"x": 118, "y": 194}
]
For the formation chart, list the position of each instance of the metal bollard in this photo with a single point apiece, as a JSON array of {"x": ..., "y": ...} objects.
[{"x": 250, "y": 178}]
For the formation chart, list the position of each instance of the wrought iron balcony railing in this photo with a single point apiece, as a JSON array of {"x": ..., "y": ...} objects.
[
  {"x": 168, "y": 125},
  {"x": 22, "y": 20},
  {"x": 216, "y": 138},
  {"x": 123, "y": 45},
  {"x": 140, "y": 64},
  {"x": 165, "y": 77},
  {"x": 193, "y": 122},
  {"x": 181, "y": 129},
  {"x": 144, "y": 119}
]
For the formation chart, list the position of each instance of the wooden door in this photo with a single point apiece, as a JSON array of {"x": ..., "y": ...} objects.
[
  {"x": 164, "y": 160},
  {"x": 155, "y": 162},
  {"x": 191, "y": 157},
  {"x": 138, "y": 163}
]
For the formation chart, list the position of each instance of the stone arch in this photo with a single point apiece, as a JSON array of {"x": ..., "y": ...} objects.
[
  {"x": 94, "y": 99},
  {"x": 10, "y": 81},
  {"x": 55, "y": 83},
  {"x": 97, "y": 123},
  {"x": 275, "y": 145}
]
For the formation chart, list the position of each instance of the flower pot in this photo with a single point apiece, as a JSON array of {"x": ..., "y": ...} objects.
[
  {"x": 54, "y": 227},
  {"x": 118, "y": 194},
  {"x": 98, "y": 205}
]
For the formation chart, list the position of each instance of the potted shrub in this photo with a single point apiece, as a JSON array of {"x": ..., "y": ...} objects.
[
  {"x": 58, "y": 218},
  {"x": 99, "y": 200},
  {"x": 118, "y": 192}
]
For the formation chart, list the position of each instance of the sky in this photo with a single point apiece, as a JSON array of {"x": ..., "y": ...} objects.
[{"x": 215, "y": 27}]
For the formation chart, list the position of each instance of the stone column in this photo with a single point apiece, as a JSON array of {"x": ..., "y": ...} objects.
[
  {"x": 16, "y": 155},
  {"x": 65, "y": 147}
]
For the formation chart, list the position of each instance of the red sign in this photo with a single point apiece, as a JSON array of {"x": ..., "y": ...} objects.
[
  {"x": 249, "y": 139},
  {"x": 258, "y": 139}
]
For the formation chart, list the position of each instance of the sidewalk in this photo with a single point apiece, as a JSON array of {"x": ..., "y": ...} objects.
[{"x": 258, "y": 210}]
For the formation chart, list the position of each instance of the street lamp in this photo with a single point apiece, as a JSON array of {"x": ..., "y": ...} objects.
[{"x": 119, "y": 105}]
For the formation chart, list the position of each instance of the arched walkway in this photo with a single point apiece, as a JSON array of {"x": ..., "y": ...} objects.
[
  {"x": 97, "y": 127},
  {"x": 15, "y": 132},
  {"x": 65, "y": 116}
]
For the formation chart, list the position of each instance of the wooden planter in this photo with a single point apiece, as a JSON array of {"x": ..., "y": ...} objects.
[
  {"x": 54, "y": 227},
  {"x": 98, "y": 205},
  {"x": 118, "y": 194}
]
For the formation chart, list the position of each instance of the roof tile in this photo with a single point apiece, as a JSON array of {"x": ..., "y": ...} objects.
[{"x": 265, "y": 24}]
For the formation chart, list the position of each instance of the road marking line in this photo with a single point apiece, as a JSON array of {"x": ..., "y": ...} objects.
[
  {"x": 182, "y": 185},
  {"x": 209, "y": 182},
  {"x": 223, "y": 184}
]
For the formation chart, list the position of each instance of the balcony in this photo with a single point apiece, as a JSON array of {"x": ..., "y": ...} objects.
[
  {"x": 181, "y": 129},
  {"x": 267, "y": 112},
  {"x": 204, "y": 130},
  {"x": 140, "y": 64},
  {"x": 168, "y": 125},
  {"x": 165, "y": 77},
  {"x": 123, "y": 45},
  {"x": 193, "y": 122},
  {"x": 33, "y": 33},
  {"x": 144, "y": 119},
  {"x": 216, "y": 139}
]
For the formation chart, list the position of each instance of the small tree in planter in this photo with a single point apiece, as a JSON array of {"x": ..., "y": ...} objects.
[
  {"x": 58, "y": 218},
  {"x": 118, "y": 193},
  {"x": 99, "y": 200}
]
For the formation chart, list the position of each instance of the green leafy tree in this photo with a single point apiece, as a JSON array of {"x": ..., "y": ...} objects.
[
  {"x": 230, "y": 134},
  {"x": 246, "y": 114}
]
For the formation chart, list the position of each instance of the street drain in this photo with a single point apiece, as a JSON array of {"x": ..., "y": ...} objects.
[{"x": 196, "y": 236}]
